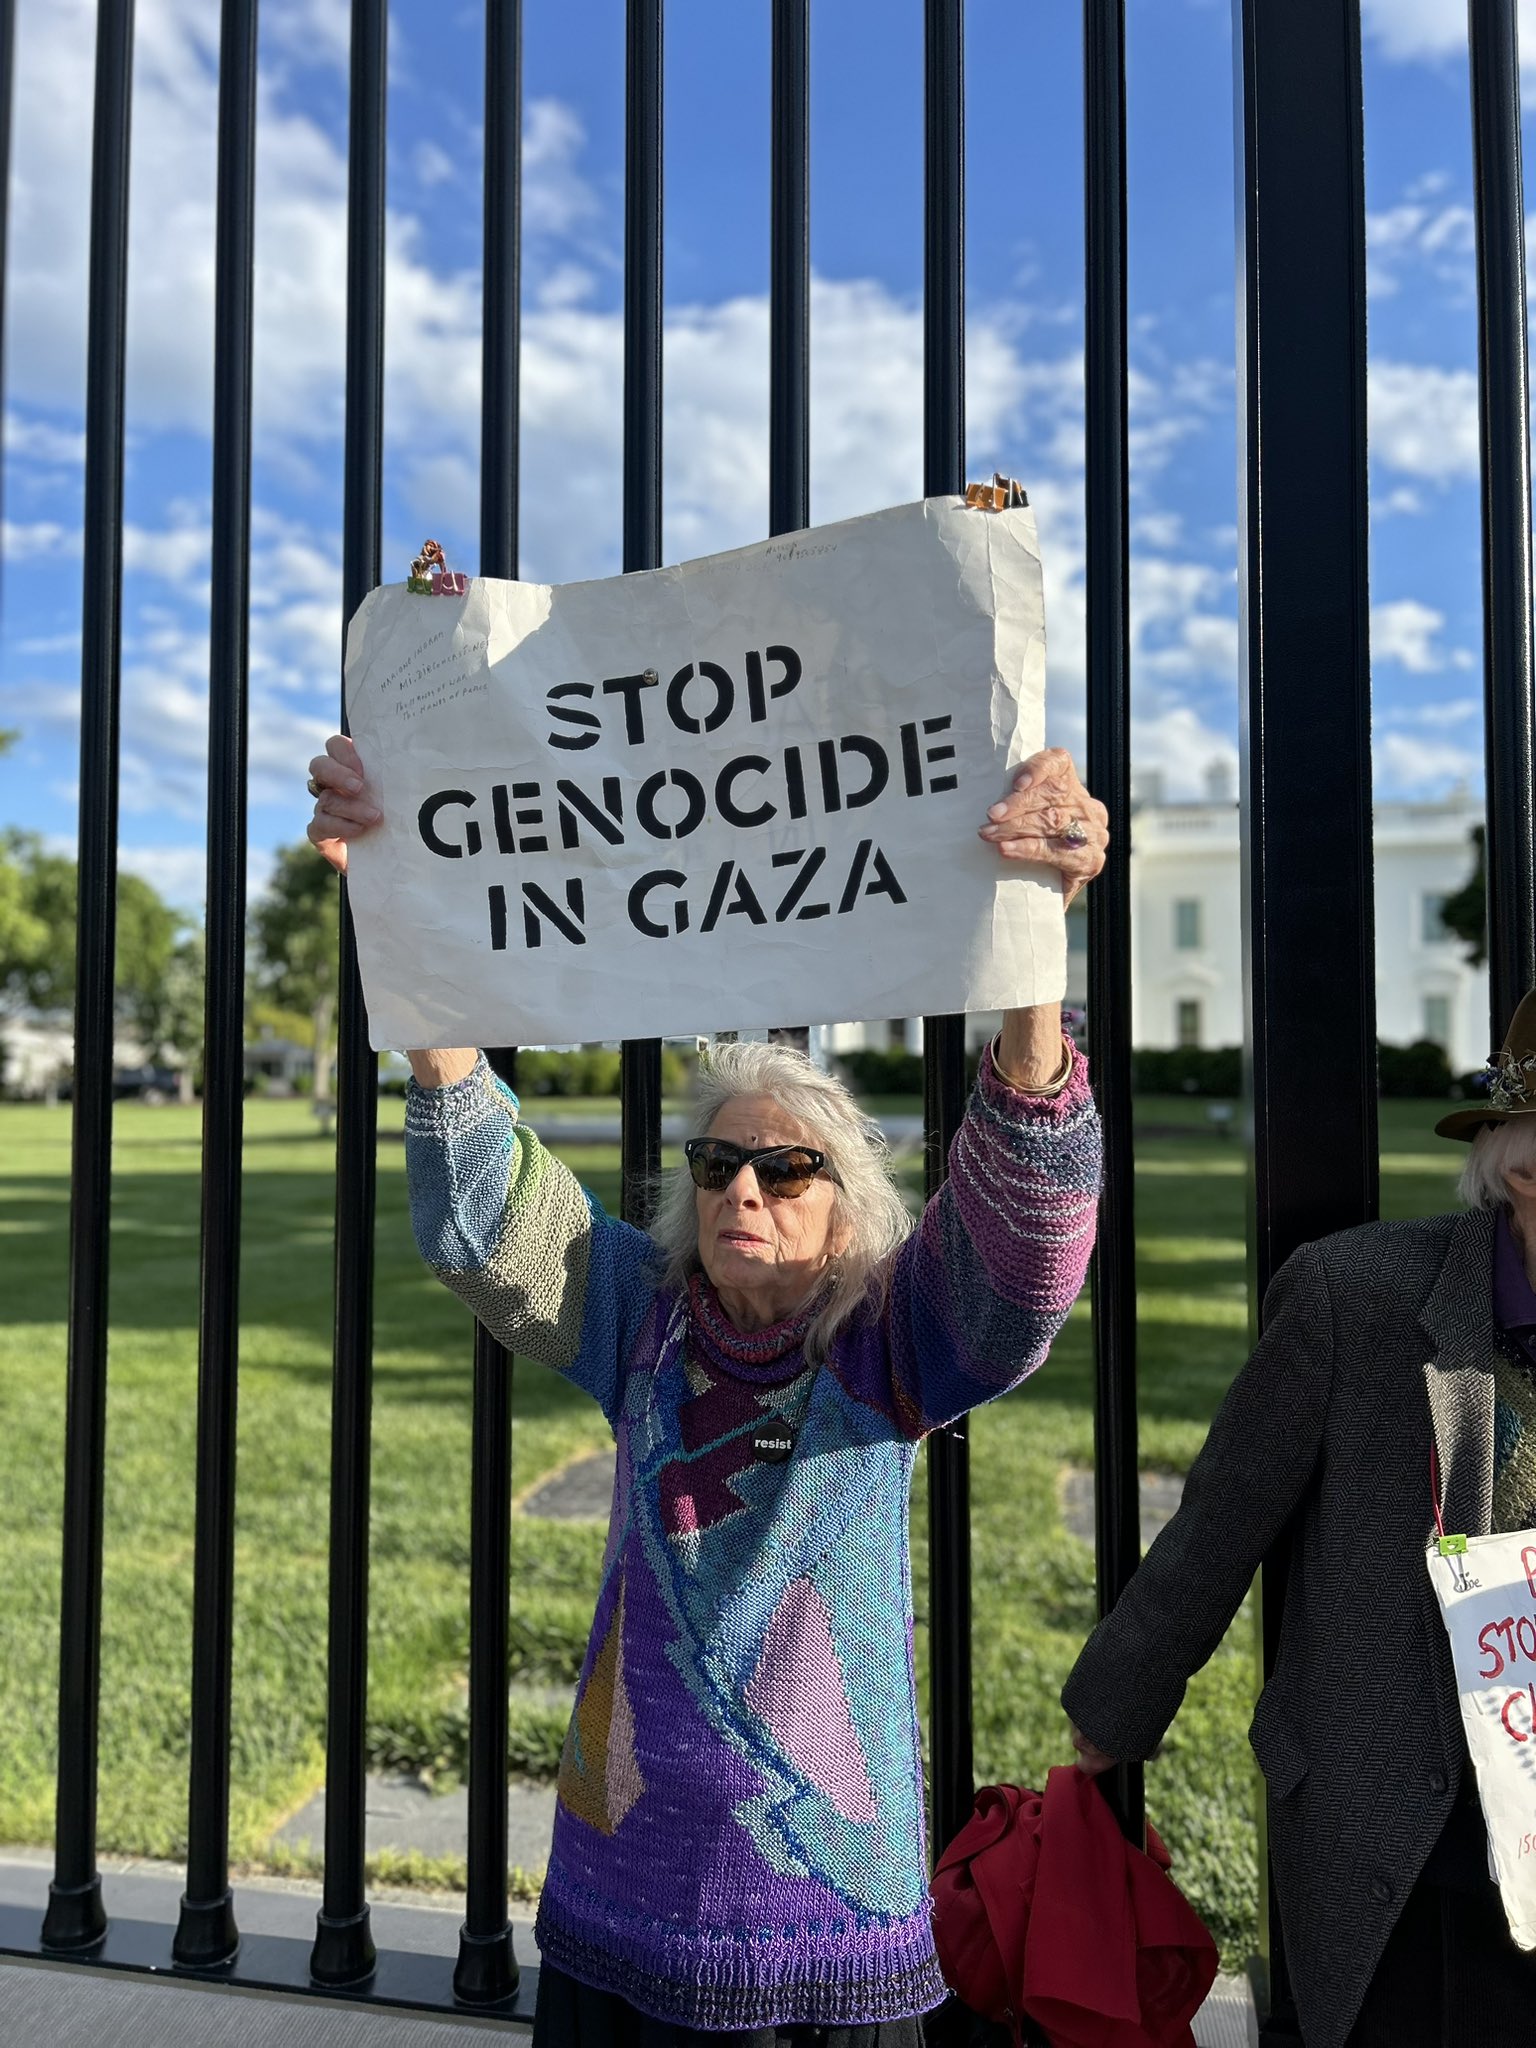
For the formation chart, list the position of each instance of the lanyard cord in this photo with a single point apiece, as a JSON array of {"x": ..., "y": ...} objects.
[{"x": 1434, "y": 1488}]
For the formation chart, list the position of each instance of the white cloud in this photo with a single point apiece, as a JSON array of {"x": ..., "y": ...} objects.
[
  {"x": 1423, "y": 420},
  {"x": 1406, "y": 766},
  {"x": 1408, "y": 633},
  {"x": 557, "y": 199},
  {"x": 36, "y": 541},
  {"x": 1449, "y": 711},
  {"x": 1425, "y": 235},
  {"x": 1178, "y": 627},
  {"x": 1183, "y": 750},
  {"x": 432, "y": 165},
  {"x": 35, "y": 440},
  {"x": 1418, "y": 30},
  {"x": 176, "y": 873}
]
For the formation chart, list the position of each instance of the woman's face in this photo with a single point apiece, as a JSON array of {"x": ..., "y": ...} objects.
[{"x": 763, "y": 1254}]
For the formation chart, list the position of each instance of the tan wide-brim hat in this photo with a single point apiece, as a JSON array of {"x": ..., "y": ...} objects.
[{"x": 1513, "y": 1078}]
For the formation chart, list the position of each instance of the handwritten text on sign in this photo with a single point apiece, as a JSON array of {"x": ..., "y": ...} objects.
[
  {"x": 734, "y": 793},
  {"x": 1487, "y": 1595}
]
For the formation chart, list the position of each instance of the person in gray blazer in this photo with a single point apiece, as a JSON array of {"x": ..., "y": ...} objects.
[{"x": 1378, "y": 1343}]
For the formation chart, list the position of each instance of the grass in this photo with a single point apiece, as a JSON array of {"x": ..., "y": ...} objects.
[{"x": 1033, "y": 1580}]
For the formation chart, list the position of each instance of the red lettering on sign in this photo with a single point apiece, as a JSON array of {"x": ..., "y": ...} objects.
[{"x": 1514, "y": 1733}]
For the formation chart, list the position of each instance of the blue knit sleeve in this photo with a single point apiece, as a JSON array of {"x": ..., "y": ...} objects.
[{"x": 511, "y": 1231}]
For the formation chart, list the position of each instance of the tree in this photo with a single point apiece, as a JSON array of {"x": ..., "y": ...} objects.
[
  {"x": 171, "y": 1018},
  {"x": 1466, "y": 913},
  {"x": 23, "y": 934},
  {"x": 297, "y": 930},
  {"x": 38, "y": 892}
]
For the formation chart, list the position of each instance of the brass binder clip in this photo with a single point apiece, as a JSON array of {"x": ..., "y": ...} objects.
[{"x": 1001, "y": 495}]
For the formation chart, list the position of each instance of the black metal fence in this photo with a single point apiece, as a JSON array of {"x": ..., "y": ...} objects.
[{"x": 1306, "y": 836}]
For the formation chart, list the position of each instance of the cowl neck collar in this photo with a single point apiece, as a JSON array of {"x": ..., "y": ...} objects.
[{"x": 769, "y": 1354}]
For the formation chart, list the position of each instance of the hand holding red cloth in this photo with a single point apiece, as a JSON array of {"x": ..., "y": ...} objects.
[{"x": 1041, "y": 1907}]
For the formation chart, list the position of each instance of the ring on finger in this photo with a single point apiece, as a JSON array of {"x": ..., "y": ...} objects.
[
  {"x": 1074, "y": 833},
  {"x": 313, "y": 787}
]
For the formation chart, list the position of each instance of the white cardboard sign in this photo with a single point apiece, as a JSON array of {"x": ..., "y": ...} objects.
[
  {"x": 740, "y": 792},
  {"x": 1487, "y": 1596}
]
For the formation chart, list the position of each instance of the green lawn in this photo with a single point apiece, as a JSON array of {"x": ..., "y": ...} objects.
[{"x": 1033, "y": 1581}]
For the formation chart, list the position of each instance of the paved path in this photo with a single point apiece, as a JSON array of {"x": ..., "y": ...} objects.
[{"x": 403, "y": 1814}]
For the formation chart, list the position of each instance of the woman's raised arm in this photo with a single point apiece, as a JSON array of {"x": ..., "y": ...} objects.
[{"x": 344, "y": 809}]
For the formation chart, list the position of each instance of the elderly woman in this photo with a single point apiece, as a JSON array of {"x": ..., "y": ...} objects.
[
  {"x": 739, "y": 1839},
  {"x": 1379, "y": 1344}
]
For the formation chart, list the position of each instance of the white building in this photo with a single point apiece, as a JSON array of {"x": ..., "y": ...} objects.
[{"x": 1186, "y": 909}]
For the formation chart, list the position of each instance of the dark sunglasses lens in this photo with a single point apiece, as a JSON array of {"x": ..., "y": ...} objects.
[
  {"x": 788, "y": 1173},
  {"x": 714, "y": 1166}
]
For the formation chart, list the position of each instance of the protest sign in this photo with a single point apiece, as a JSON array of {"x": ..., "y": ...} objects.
[
  {"x": 1487, "y": 1594},
  {"x": 740, "y": 792}
]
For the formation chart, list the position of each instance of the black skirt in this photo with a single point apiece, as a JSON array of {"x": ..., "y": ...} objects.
[{"x": 573, "y": 2015}]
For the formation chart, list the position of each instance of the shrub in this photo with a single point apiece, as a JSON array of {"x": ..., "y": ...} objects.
[
  {"x": 1188, "y": 1070},
  {"x": 1419, "y": 1069},
  {"x": 883, "y": 1070}
]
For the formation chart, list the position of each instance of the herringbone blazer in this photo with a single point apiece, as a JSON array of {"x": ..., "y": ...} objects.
[{"x": 1372, "y": 1339}]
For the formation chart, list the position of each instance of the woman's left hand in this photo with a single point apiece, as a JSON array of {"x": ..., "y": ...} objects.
[{"x": 1049, "y": 817}]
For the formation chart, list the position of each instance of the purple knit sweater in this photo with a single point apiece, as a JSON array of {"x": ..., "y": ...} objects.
[{"x": 739, "y": 1840}]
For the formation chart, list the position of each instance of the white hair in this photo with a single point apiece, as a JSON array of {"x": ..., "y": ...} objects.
[
  {"x": 1496, "y": 1150},
  {"x": 867, "y": 1205}
]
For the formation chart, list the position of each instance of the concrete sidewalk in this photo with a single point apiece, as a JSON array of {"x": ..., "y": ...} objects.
[{"x": 48, "y": 2005}]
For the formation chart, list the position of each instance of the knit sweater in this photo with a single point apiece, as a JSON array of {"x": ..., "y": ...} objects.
[{"x": 739, "y": 1837}]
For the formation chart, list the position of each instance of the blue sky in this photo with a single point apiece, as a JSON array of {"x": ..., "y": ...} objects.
[{"x": 1024, "y": 258}]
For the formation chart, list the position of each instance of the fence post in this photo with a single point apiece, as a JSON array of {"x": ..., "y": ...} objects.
[
  {"x": 948, "y": 1451},
  {"x": 7, "y": 108},
  {"x": 640, "y": 1058},
  {"x": 1308, "y": 931},
  {"x": 75, "y": 1918},
  {"x": 206, "y": 1933},
  {"x": 343, "y": 1950},
  {"x": 1117, "y": 1493},
  {"x": 487, "y": 1972},
  {"x": 1504, "y": 420}
]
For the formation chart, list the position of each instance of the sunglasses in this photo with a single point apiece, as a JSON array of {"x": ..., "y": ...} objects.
[{"x": 783, "y": 1171}]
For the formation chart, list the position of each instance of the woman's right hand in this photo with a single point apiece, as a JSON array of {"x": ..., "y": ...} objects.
[
  {"x": 1090, "y": 1761},
  {"x": 343, "y": 807}
]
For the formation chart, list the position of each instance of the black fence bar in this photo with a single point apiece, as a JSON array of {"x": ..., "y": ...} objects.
[
  {"x": 640, "y": 1058},
  {"x": 75, "y": 1918},
  {"x": 344, "y": 1952},
  {"x": 789, "y": 368},
  {"x": 949, "y": 1476},
  {"x": 487, "y": 1973},
  {"x": 1504, "y": 414},
  {"x": 789, "y": 300},
  {"x": 1308, "y": 935},
  {"x": 1117, "y": 1505},
  {"x": 7, "y": 109},
  {"x": 206, "y": 1933}
]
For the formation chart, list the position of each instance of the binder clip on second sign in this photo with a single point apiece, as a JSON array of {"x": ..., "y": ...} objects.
[
  {"x": 1001, "y": 495},
  {"x": 431, "y": 576}
]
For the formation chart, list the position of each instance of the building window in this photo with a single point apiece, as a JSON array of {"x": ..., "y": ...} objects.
[
  {"x": 1186, "y": 924},
  {"x": 1189, "y": 1022},
  {"x": 1432, "y": 927},
  {"x": 1437, "y": 1020}
]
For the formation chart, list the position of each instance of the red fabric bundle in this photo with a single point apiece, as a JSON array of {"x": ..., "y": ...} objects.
[{"x": 1042, "y": 1907}]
